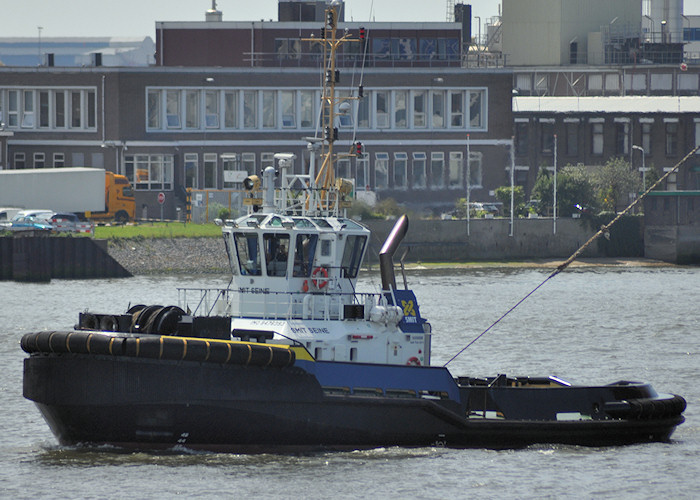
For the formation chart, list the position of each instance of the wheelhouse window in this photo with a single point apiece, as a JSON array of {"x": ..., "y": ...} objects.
[
  {"x": 248, "y": 252},
  {"x": 276, "y": 253},
  {"x": 304, "y": 252},
  {"x": 352, "y": 255}
]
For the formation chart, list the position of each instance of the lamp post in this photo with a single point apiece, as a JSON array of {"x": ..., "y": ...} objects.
[
  {"x": 643, "y": 170},
  {"x": 469, "y": 185}
]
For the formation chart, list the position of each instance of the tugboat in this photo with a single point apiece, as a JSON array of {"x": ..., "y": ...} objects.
[{"x": 291, "y": 357}]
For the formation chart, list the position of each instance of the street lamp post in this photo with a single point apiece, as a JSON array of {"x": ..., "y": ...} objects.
[{"x": 643, "y": 170}]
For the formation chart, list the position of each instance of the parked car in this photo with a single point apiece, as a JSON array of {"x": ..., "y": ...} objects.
[
  {"x": 64, "y": 221},
  {"x": 6, "y": 215},
  {"x": 30, "y": 222}
]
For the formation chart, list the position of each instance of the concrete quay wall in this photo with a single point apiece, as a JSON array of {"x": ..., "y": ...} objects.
[{"x": 486, "y": 239}]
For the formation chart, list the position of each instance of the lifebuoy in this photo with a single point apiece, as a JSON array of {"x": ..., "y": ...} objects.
[
  {"x": 316, "y": 274},
  {"x": 414, "y": 361}
]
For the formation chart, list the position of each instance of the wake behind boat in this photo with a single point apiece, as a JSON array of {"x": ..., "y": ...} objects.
[{"x": 290, "y": 356}]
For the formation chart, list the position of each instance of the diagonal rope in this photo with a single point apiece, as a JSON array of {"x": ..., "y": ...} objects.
[{"x": 603, "y": 230}]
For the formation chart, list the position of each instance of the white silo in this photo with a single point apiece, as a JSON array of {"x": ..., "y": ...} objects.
[{"x": 666, "y": 16}]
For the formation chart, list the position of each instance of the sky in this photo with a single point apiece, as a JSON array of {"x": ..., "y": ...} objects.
[{"x": 137, "y": 18}]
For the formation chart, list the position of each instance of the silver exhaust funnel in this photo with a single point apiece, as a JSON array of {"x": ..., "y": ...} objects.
[{"x": 386, "y": 255}]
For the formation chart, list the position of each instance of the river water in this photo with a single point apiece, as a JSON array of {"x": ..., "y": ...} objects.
[{"x": 588, "y": 325}]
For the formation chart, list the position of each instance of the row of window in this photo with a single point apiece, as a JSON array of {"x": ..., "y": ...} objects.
[
  {"x": 612, "y": 82},
  {"x": 572, "y": 131},
  {"x": 423, "y": 49},
  {"x": 49, "y": 108},
  {"x": 228, "y": 170},
  {"x": 232, "y": 109}
]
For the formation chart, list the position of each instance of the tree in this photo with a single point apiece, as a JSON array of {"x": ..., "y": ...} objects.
[
  {"x": 574, "y": 187},
  {"x": 613, "y": 182},
  {"x": 503, "y": 195}
]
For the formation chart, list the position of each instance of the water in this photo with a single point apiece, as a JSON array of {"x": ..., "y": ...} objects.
[{"x": 589, "y": 325}]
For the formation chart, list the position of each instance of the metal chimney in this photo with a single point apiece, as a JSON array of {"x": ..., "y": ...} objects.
[{"x": 213, "y": 15}]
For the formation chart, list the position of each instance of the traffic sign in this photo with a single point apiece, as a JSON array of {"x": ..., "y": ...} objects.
[{"x": 161, "y": 197}]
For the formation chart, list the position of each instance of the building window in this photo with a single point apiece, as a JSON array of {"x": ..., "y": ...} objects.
[
  {"x": 91, "y": 109},
  {"x": 597, "y": 138},
  {"x": 191, "y": 170},
  {"x": 153, "y": 111},
  {"x": 400, "y": 108},
  {"x": 419, "y": 109},
  {"x": 622, "y": 133},
  {"x": 288, "y": 108},
  {"x": 250, "y": 109},
  {"x": 437, "y": 167},
  {"x": 59, "y": 160},
  {"x": 381, "y": 171},
  {"x": 59, "y": 109},
  {"x": 75, "y": 110},
  {"x": 522, "y": 130},
  {"x": 671, "y": 139},
  {"x": 307, "y": 108},
  {"x": 419, "y": 177},
  {"x": 13, "y": 108},
  {"x": 476, "y": 110},
  {"x": 547, "y": 137},
  {"x": 172, "y": 108},
  {"x": 210, "y": 163},
  {"x": 475, "y": 170},
  {"x": 362, "y": 174},
  {"x": 438, "y": 109},
  {"x": 44, "y": 112},
  {"x": 381, "y": 109},
  {"x": 344, "y": 108},
  {"x": 457, "y": 109},
  {"x": 267, "y": 160},
  {"x": 211, "y": 109},
  {"x": 39, "y": 160},
  {"x": 344, "y": 169},
  {"x": 572, "y": 139},
  {"x": 455, "y": 169},
  {"x": 150, "y": 172},
  {"x": 269, "y": 109},
  {"x": 192, "y": 109},
  {"x": 248, "y": 162},
  {"x": 363, "y": 112},
  {"x": 400, "y": 170},
  {"x": 19, "y": 160},
  {"x": 646, "y": 138},
  {"x": 231, "y": 170},
  {"x": 28, "y": 109},
  {"x": 230, "y": 109}
]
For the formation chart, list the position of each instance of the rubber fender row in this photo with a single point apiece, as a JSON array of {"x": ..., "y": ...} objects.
[
  {"x": 158, "y": 347},
  {"x": 649, "y": 409}
]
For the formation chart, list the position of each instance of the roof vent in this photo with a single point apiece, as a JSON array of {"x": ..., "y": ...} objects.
[{"x": 213, "y": 15}]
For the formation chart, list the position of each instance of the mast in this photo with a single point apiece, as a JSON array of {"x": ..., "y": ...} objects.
[{"x": 324, "y": 185}]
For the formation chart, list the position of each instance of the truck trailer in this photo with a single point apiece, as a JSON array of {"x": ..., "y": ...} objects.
[{"x": 92, "y": 193}]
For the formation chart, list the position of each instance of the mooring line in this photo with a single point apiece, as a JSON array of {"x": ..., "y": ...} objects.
[{"x": 603, "y": 230}]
